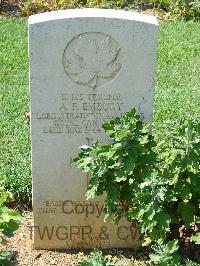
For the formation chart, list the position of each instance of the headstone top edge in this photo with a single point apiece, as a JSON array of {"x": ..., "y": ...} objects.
[{"x": 92, "y": 13}]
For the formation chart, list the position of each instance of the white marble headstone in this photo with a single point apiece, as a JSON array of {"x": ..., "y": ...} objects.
[{"x": 86, "y": 66}]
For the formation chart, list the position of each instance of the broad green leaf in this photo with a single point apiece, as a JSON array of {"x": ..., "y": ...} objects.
[
  {"x": 147, "y": 241},
  {"x": 186, "y": 211},
  {"x": 172, "y": 246},
  {"x": 196, "y": 238},
  {"x": 183, "y": 190},
  {"x": 14, "y": 215}
]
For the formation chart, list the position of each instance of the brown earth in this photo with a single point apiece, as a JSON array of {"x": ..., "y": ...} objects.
[{"x": 9, "y": 8}]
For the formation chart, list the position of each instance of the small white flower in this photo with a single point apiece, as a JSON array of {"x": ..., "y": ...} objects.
[{"x": 84, "y": 147}]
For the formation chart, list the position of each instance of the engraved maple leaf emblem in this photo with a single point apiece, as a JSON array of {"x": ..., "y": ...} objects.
[{"x": 93, "y": 60}]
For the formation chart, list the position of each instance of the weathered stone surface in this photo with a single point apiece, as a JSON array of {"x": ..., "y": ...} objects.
[{"x": 86, "y": 66}]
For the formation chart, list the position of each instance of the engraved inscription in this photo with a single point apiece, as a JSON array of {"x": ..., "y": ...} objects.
[
  {"x": 83, "y": 232},
  {"x": 92, "y": 59},
  {"x": 87, "y": 210},
  {"x": 69, "y": 207},
  {"x": 82, "y": 113}
]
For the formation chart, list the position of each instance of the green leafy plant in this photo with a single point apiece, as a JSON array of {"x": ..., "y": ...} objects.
[
  {"x": 184, "y": 10},
  {"x": 9, "y": 220},
  {"x": 96, "y": 259},
  {"x": 166, "y": 254},
  {"x": 178, "y": 9},
  {"x": 196, "y": 238},
  {"x": 155, "y": 182},
  {"x": 32, "y": 7}
]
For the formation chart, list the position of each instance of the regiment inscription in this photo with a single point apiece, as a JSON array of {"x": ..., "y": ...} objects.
[{"x": 82, "y": 113}]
